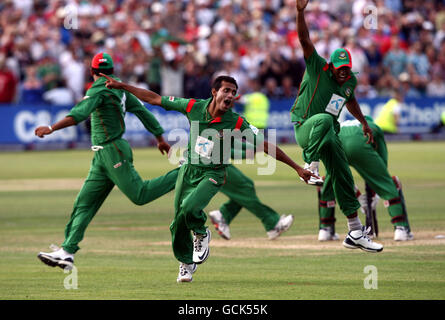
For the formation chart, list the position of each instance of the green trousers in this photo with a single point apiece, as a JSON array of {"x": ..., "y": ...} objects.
[
  {"x": 241, "y": 192},
  {"x": 195, "y": 187},
  {"x": 319, "y": 141},
  {"x": 372, "y": 168},
  {"x": 112, "y": 165}
]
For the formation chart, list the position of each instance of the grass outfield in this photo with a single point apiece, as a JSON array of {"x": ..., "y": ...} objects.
[{"x": 126, "y": 253}]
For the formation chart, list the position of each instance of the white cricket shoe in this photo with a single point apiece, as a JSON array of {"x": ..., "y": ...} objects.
[
  {"x": 58, "y": 258},
  {"x": 326, "y": 234},
  {"x": 358, "y": 239},
  {"x": 220, "y": 224},
  {"x": 313, "y": 167},
  {"x": 201, "y": 248},
  {"x": 282, "y": 226},
  {"x": 186, "y": 271},
  {"x": 403, "y": 234}
]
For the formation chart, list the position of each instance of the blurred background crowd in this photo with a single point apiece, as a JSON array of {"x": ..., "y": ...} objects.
[{"x": 177, "y": 47}]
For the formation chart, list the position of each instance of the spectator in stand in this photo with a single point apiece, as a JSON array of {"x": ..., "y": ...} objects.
[
  {"x": 60, "y": 95},
  {"x": 8, "y": 82},
  {"x": 287, "y": 90},
  {"x": 396, "y": 60},
  {"x": 436, "y": 87},
  {"x": 32, "y": 88}
]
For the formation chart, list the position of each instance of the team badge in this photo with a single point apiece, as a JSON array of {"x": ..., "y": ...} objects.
[
  {"x": 171, "y": 98},
  {"x": 342, "y": 55},
  {"x": 348, "y": 91}
]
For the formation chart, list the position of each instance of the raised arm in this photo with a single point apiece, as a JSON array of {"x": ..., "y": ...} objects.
[
  {"x": 145, "y": 95},
  {"x": 303, "y": 32}
]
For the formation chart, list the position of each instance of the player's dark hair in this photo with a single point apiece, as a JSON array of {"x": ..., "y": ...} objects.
[
  {"x": 217, "y": 83},
  {"x": 104, "y": 71}
]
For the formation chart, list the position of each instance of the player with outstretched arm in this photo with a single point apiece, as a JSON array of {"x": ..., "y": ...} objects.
[
  {"x": 201, "y": 177},
  {"x": 324, "y": 90}
]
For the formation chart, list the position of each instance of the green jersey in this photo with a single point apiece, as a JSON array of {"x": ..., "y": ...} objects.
[
  {"x": 107, "y": 108},
  {"x": 319, "y": 92},
  {"x": 211, "y": 139}
]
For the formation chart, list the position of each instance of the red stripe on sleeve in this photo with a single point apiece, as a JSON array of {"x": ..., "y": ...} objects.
[
  {"x": 239, "y": 123},
  {"x": 190, "y": 105}
]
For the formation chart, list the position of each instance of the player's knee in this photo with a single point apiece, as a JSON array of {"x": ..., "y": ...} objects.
[
  {"x": 187, "y": 207},
  {"x": 137, "y": 200}
]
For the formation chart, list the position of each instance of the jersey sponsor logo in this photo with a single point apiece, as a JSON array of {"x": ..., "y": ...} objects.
[
  {"x": 335, "y": 104},
  {"x": 86, "y": 97},
  {"x": 171, "y": 98},
  {"x": 254, "y": 129},
  {"x": 204, "y": 147},
  {"x": 213, "y": 180}
]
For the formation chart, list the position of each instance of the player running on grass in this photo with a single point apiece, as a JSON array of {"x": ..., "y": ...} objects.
[
  {"x": 324, "y": 90},
  {"x": 371, "y": 162},
  {"x": 212, "y": 121},
  {"x": 112, "y": 163}
]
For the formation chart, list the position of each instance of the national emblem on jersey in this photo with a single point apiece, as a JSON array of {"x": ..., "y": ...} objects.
[{"x": 335, "y": 104}]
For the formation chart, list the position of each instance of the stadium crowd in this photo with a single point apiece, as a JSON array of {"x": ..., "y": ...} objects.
[{"x": 177, "y": 47}]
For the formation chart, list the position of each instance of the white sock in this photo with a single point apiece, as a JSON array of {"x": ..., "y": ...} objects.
[{"x": 354, "y": 224}]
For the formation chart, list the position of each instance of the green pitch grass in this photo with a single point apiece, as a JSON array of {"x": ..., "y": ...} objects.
[{"x": 126, "y": 253}]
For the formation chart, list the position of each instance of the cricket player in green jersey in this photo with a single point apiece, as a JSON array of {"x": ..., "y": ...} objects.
[
  {"x": 371, "y": 162},
  {"x": 324, "y": 90},
  {"x": 113, "y": 160},
  {"x": 214, "y": 126}
]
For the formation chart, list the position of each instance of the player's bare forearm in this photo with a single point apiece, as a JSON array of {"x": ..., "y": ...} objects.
[
  {"x": 46, "y": 130},
  {"x": 275, "y": 152},
  {"x": 303, "y": 32},
  {"x": 145, "y": 95},
  {"x": 354, "y": 108}
]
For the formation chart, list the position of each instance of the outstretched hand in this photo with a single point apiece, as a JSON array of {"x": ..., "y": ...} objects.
[
  {"x": 42, "y": 131},
  {"x": 301, "y": 4},
  {"x": 306, "y": 174},
  {"x": 112, "y": 83},
  {"x": 164, "y": 147}
]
